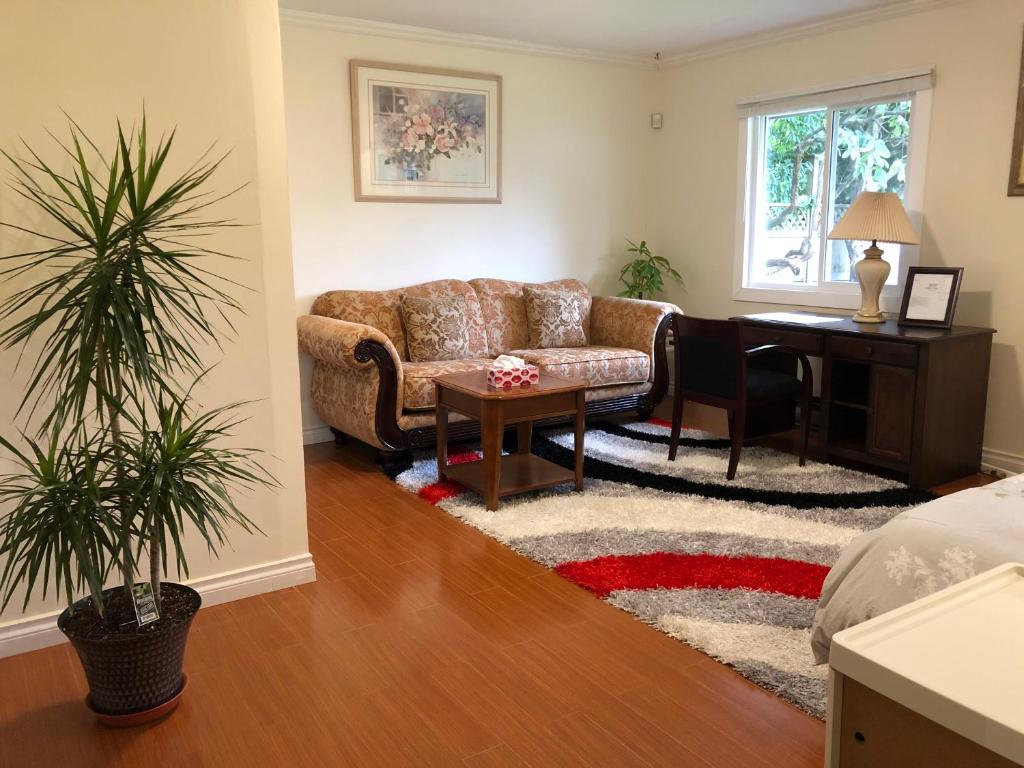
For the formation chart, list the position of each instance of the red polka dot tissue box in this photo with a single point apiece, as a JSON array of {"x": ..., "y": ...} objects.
[{"x": 507, "y": 372}]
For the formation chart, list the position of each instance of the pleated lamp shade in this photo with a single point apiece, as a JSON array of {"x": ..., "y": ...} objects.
[{"x": 876, "y": 216}]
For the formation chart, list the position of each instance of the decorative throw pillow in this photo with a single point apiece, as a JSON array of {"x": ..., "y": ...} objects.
[
  {"x": 436, "y": 328},
  {"x": 555, "y": 317}
]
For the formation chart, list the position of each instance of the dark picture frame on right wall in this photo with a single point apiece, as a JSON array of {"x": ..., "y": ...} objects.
[
  {"x": 930, "y": 296},
  {"x": 1017, "y": 162}
]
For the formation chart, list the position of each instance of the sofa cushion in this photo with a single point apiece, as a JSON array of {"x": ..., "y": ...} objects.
[
  {"x": 504, "y": 311},
  {"x": 575, "y": 286},
  {"x": 418, "y": 387},
  {"x": 380, "y": 309},
  {"x": 436, "y": 328},
  {"x": 555, "y": 317},
  {"x": 599, "y": 366}
]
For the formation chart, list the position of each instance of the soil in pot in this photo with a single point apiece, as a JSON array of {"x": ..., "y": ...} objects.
[
  {"x": 131, "y": 668},
  {"x": 176, "y": 606}
]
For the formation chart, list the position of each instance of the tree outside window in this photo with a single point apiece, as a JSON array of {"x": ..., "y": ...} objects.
[{"x": 844, "y": 150}]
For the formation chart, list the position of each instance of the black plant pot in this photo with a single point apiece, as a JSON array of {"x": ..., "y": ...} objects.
[{"x": 132, "y": 675}]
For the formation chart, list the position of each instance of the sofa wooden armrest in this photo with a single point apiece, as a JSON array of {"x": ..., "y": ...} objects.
[
  {"x": 357, "y": 379},
  {"x": 629, "y": 323},
  {"x": 340, "y": 342},
  {"x": 636, "y": 324}
]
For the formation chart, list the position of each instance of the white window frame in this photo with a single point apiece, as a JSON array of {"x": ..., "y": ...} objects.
[{"x": 827, "y": 294}]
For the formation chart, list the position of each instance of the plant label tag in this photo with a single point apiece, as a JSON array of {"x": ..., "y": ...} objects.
[{"x": 145, "y": 603}]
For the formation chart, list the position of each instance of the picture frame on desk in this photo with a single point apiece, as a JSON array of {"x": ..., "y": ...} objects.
[{"x": 930, "y": 296}]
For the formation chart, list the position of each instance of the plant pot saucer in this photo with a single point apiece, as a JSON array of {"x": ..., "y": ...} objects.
[{"x": 143, "y": 717}]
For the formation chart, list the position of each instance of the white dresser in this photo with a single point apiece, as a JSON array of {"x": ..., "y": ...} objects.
[{"x": 938, "y": 682}]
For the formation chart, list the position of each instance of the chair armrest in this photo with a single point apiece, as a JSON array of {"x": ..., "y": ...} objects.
[
  {"x": 629, "y": 323},
  {"x": 345, "y": 344}
]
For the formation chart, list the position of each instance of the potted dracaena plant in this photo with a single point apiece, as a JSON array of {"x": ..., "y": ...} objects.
[
  {"x": 115, "y": 303},
  {"x": 644, "y": 275}
]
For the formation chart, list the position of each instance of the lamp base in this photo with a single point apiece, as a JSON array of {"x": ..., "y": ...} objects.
[
  {"x": 860, "y": 318},
  {"x": 872, "y": 272}
]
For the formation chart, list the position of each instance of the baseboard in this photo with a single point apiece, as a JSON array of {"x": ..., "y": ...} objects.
[
  {"x": 41, "y": 631},
  {"x": 1002, "y": 461},
  {"x": 318, "y": 434}
]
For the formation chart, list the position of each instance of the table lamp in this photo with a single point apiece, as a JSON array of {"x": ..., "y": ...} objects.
[{"x": 874, "y": 216}]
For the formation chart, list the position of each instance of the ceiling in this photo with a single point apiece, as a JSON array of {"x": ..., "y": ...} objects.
[{"x": 616, "y": 27}]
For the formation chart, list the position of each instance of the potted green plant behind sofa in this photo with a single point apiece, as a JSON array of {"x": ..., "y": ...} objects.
[
  {"x": 116, "y": 305},
  {"x": 644, "y": 275}
]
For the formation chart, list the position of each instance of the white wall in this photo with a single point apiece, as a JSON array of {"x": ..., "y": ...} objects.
[
  {"x": 583, "y": 170},
  {"x": 575, "y": 159},
  {"x": 213, "y": 70},
  {"x": 968, "y": 219}
]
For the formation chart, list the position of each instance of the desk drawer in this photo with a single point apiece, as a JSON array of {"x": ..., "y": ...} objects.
[
  {"x": 808, "y": 343},
  {"x": 871, "y": 351}
]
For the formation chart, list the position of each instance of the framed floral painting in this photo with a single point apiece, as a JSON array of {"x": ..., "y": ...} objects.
[
  {"x": 422, "y": 135},
  {"x": 1017, "y": 164}
]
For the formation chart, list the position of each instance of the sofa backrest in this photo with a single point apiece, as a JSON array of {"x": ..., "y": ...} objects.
[
  {"x": 504, "y": 311},
  {"x": 497, "y": 311},
  {"x": 380, "y": 309}
]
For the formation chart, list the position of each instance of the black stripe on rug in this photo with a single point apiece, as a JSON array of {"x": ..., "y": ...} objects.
[
  {"x": 599, "y": 469},
  {"x": 649, "y": 437}
]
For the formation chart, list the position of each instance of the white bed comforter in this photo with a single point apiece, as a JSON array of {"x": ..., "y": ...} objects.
[{"x": 919, "y": 552}]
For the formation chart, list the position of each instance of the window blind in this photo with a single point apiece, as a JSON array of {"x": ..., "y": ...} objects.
[{"x": 893, "y": 86}]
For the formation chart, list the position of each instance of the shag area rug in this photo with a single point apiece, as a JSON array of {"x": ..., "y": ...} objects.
[{"x": 733, "y": 569}]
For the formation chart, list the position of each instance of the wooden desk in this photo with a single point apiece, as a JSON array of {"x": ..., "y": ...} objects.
[{"x": 907, "y": 400}]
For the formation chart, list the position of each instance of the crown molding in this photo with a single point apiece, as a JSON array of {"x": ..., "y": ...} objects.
[
  {"x": 351, "y": 25},
  {"x": 833, "y": 24},
  {"x": 355, "y": 26}
]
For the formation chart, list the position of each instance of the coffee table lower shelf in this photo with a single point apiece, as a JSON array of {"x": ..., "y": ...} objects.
[{"x": 519, "y": 472}]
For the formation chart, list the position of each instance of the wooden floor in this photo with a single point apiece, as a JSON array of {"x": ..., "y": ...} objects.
[{"x": 423, "y": 642}]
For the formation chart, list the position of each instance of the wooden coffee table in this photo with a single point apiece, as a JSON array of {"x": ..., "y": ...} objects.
[{"x": 497, "y": 475}]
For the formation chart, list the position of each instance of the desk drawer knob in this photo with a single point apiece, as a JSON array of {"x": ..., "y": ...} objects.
[{"x": 869, "y": 350}]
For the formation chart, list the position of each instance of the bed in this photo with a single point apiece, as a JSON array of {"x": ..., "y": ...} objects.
[{"x": 918, "y": 552}]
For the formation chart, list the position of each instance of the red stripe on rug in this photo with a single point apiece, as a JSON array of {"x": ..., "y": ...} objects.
[
  {"x": 438, "y": 492},
  {"x": 446, "y": 489},
  {"x": 464, "y": 457},
  {"x": 666, "y": 570}
]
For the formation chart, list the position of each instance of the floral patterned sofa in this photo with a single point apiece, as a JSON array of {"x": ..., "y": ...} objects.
[{"x": 365, "y": 386}]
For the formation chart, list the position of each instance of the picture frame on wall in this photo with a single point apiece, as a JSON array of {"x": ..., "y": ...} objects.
[
  {"x": 930, "y": 296},
  {"x": 1017, "y": 162},
  {"x": 425, "y": 135}
]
